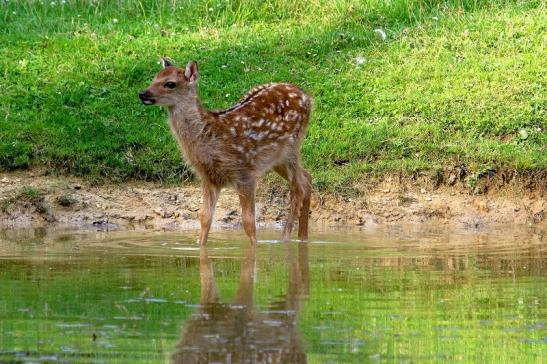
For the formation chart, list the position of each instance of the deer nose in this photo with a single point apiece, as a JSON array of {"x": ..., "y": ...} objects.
[{"x": 144, "y": 94}]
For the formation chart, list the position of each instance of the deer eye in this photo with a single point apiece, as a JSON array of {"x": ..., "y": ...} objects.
[{"x": 170, "y": 84}]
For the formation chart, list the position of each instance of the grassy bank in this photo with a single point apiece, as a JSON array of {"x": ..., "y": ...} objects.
[{"x": 452, "y": 82}]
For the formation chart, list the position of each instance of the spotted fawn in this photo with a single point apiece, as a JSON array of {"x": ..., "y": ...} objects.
[{"x": 233, "y": 147}]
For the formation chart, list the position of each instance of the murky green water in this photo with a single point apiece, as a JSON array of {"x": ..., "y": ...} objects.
[{"x": 388, "y": 296}]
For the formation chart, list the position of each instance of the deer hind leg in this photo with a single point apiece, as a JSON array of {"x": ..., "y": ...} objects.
[
  {"x": 305, "y": 209},
  {"x": 247, "y": 200},
  {"x": 294, "y": 174},
  {"x": 210, "y": 194}
]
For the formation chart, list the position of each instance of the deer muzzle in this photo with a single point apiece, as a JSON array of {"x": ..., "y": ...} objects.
[{"x": 146, "y": 97}]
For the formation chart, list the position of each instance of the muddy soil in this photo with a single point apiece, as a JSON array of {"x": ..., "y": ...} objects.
[{"x": 34, "y": 199}]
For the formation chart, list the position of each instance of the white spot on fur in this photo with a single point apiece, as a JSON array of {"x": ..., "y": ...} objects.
[
  {"x": 247, "y": 99},
  {"x": 262, "y": 134},
  {"x": 291, "y": 115},
  {"x": 233, "y": 131}
]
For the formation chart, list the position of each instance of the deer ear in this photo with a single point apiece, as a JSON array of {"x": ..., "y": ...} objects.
[
  {"x": 165, "y": 62},
  {"x": 191, "y": 72}
]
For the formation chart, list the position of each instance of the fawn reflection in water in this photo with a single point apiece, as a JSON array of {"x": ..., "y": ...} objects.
[{"x": 238, "y": 332}]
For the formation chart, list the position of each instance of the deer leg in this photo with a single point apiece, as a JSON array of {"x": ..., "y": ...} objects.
[
  {"x": 305, "y": 210},
  {"x": 247, "y": 200},
  {"x": 210, "y": 196},
  {"x": 292, "y": 172}
]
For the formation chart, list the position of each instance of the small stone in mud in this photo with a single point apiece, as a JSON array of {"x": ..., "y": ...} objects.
[
  {"x": 104, "y": 225},
  {"x": 452, "y": 179},
  {"x": 141, "y": 217},
  {"x": 187, "y": 216},
  {"x": 479, "y": 190},
  {"x": 481, "y": 206},
  {"x": 368, "y": 220},
  {"x": 407, "y": 199},
  {"x": 280, "y": 215},
  {"x": 229, "y": 216},
  {"x": 129, "y": 217},
  {"x": 162, "y": 213}
]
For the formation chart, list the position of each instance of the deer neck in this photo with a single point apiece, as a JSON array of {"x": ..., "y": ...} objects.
[{"x": 186, "y": 118}]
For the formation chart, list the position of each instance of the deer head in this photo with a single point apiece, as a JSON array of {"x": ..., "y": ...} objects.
[{"x": 171, "y": 85}]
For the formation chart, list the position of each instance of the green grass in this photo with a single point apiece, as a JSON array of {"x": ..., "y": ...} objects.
[{"x": 454, "y": 81}]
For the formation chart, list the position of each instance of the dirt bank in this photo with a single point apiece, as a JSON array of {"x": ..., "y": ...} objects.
[{"x": 34, "y": 199}]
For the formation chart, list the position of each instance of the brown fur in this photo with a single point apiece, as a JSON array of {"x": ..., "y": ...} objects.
[{"x": 235, "y": 146}]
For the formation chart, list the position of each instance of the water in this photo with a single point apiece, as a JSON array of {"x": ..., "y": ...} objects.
[{"x": 392, "y": 295}]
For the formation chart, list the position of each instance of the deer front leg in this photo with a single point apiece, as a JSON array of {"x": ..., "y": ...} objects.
[
  {"x": 210, "y": 196},
  {"x": 247, "y": 200}
]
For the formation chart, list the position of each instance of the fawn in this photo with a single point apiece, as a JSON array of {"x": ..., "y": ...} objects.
[{"x": 262, "y": 131}]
